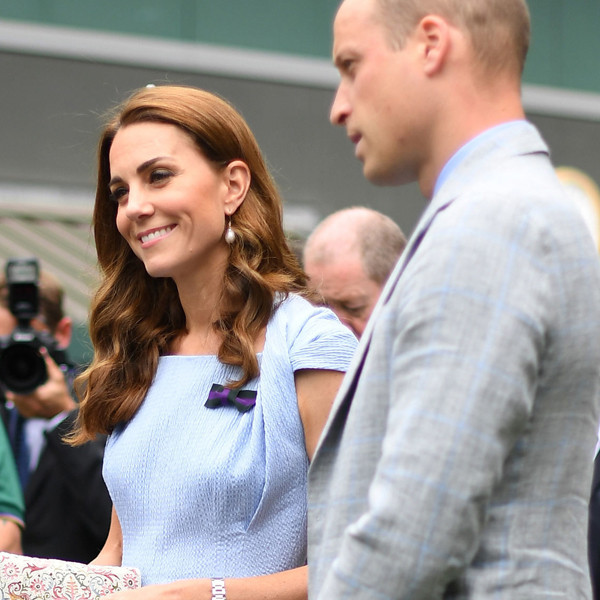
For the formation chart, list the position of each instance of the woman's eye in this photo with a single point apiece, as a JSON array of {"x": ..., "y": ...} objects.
[
  {"x": 159, "y": 175},
  {"x": 118, "y": 194}
]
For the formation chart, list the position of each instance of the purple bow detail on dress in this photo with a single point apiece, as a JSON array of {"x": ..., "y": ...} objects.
[{"x": 219, "y": 396}]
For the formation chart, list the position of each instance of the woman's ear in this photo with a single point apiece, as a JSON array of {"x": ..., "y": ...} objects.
[{"x": 237, "y": 178}]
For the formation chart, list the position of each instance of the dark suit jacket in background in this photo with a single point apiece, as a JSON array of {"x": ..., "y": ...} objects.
[{"x": 67, "y": 506}]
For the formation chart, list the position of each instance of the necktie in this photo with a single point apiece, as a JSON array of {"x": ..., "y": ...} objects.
[{"x": 19, "y": 445}]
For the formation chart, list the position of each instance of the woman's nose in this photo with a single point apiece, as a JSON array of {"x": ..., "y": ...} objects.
[{"x": 138, "y": 205}]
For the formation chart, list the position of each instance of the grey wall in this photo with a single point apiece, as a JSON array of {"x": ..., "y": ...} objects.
[
  {"x": 52, "y": 109},
  {"x": 564, "y": 44}
]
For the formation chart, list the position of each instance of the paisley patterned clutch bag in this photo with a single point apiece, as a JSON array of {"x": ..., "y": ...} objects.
[{"x": 28, "y": 578}]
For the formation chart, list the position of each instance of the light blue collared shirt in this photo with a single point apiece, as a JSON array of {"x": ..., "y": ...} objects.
[{"x": 467, "y": 149}]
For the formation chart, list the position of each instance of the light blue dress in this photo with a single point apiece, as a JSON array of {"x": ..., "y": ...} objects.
[{"x": 208, "y": 492}]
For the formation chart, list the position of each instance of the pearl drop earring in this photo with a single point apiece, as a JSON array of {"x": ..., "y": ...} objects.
[{"x": 230, "y": 233}]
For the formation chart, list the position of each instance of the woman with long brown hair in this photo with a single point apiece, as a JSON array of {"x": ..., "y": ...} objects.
[{"x": 212, "y": 373}]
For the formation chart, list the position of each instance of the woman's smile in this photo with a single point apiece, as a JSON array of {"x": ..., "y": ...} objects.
[{"x": 155, "y": 234}]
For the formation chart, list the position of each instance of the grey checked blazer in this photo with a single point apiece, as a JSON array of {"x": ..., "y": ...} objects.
[{"x": 456, "y": 462}]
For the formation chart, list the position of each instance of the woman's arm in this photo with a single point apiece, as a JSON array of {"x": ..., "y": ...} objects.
[
  {"x": 112, "y": 551},
  {"x": 287, "y": 585},
  {"x": 316, "y": 390}
]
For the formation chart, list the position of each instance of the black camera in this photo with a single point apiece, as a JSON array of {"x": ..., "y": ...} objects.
[{"x": 22, "y": 366}]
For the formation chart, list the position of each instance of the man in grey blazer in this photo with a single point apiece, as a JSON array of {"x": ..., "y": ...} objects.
[{"x": 456, "y": 461}]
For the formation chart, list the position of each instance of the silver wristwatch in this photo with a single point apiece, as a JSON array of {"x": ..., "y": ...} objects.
[{"x": 218, "y": 588}]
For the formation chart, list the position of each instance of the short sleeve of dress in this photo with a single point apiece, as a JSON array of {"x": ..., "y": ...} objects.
[{"x": 317, "y": 338}]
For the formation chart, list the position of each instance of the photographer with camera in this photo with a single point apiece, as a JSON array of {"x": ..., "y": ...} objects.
[{"x": 67, "y": 507}]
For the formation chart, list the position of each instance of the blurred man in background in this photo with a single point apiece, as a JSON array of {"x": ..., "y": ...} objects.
[{"x": 348, "y": 258}]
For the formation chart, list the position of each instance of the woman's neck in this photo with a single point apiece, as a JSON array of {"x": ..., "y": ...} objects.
[{"x": 202, "y": 303}]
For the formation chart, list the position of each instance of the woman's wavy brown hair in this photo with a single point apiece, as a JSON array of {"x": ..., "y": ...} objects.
[{"x": 134, "y": 318}]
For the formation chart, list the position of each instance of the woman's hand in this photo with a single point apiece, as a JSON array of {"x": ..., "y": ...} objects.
[
  {"x": 150, "y": 592},
  {"x": 187, "y": 589},
  {"x": 285, "y": 585}
]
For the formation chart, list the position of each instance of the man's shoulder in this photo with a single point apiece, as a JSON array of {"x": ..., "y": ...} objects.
[
  {"x": 502, "y": 160},
  {"x": 520, "y": 191}
]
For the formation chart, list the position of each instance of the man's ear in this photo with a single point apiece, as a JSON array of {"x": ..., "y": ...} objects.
[
  {"x": 435, "y": 41},
  {"x": 237, "y": 178},
  {"x": 63, "y": 332}
]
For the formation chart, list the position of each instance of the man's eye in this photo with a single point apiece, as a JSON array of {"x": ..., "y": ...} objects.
[{"x": 346, "y": 66}]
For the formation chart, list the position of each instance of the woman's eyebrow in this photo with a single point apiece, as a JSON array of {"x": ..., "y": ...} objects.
[{"x": 145, "y": 165}]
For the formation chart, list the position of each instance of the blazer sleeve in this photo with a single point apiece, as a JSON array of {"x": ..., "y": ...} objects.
[{"x": 467, "y": 327}]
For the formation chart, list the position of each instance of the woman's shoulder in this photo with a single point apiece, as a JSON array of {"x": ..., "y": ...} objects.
[
  {"x": 293, "y": 301},
  {"x": 305, "y": 323},
  {"x": 296, "y": 309}
]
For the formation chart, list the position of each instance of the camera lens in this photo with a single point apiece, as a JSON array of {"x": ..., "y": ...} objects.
[{"x": 22, "y": 368}]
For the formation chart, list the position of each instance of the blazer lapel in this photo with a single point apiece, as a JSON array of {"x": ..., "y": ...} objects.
[{"x": 346, "y": 391}]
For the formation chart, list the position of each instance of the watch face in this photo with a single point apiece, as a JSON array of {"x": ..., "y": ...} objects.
[{"x": 584, "y": 192}]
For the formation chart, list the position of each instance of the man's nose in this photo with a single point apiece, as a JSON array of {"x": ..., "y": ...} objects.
[{"x": 339, "y": 108}]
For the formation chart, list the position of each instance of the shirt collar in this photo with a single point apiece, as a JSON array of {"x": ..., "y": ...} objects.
[{"x": 468, "y": 148}]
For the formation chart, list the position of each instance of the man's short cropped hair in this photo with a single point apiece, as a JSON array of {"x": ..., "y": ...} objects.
[{"x": 499, "y": 30}]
